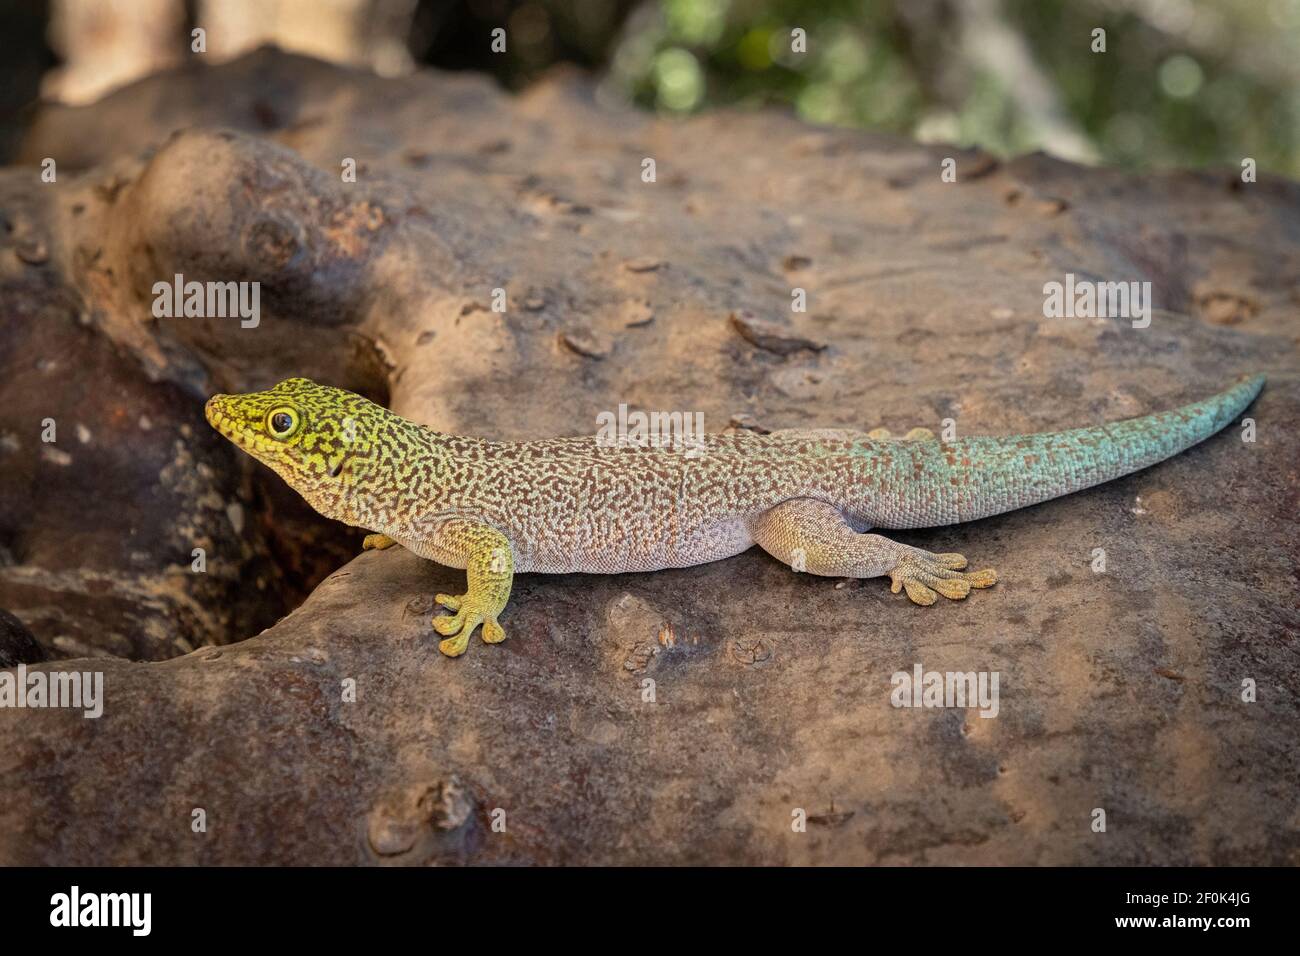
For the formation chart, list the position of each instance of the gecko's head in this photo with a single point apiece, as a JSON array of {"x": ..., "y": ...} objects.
[{"x": 316, "y": 437}]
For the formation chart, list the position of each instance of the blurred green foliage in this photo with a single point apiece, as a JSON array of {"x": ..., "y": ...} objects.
[{"x": 1180, "y": 82}]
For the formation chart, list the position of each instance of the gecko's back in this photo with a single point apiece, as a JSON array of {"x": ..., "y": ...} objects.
[{"x": 575, "y": 505}]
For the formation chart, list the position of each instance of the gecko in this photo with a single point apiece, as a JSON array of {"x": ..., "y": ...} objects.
[{"x": 811, "y": 498}]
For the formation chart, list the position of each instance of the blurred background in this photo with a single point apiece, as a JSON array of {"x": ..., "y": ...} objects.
[{"x": 1180, "y": 82}]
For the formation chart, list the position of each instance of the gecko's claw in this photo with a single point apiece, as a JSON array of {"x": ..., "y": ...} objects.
[
  {"x": 925, "y": 576},
  {"x": 377, "y": 542},
  {"x": 458, "y": 627}
]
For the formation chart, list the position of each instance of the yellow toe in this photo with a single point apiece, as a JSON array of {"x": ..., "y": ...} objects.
[
  {"x": 447, "y": 625},
  {"x": 919, "y": 593},
  {"x": 952, "y": 588},
  {"x": 454, "y": 646}
]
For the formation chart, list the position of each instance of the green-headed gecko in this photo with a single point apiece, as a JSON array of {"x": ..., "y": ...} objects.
[{"x": 807, "y": 497}]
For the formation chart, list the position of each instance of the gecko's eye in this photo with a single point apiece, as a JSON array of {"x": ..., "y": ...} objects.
[{"x": 282, "y": 422}]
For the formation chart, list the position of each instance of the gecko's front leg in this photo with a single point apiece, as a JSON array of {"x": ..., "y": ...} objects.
[{"x": 489, "y": 572}]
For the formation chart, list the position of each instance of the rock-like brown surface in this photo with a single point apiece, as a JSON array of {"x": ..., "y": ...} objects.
[{"x": 683, "y": 716}]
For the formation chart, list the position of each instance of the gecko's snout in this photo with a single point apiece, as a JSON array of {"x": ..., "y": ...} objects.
[{"x": 217, "y": 412}]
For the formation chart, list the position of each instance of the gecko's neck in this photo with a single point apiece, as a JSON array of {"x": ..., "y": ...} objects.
[{"x": 398, "y": 473}]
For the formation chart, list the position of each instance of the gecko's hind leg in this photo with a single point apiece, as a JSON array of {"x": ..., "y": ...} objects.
[{"x": 815, "y": 537}]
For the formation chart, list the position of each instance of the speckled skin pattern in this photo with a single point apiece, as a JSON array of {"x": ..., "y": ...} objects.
[{"x": 571, "y": 504}]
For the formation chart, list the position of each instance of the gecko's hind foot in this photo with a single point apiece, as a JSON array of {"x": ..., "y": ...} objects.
[
  {"x": 458, "y": 627},
  {"x": 377, "y": 542},
  {"x": 924, "y": 576}
]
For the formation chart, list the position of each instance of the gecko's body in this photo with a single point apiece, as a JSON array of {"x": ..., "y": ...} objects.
[{"x": 571, "y": 504}]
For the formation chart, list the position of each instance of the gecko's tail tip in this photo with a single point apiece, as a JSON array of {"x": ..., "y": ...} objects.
[{"x": 1237, "y": 398}]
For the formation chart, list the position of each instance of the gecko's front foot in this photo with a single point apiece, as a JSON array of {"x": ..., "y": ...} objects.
[
  {"x": 468, "y": 613},
  {"x": 489, "y": 572},
  {"x": 923, "y": 574}
]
